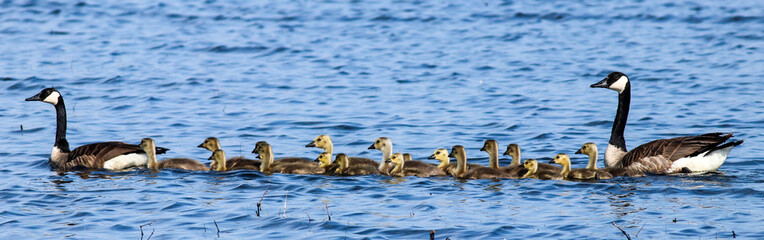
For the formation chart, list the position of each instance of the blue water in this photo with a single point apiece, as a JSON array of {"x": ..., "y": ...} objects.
[{"x": 426, "y": 74}]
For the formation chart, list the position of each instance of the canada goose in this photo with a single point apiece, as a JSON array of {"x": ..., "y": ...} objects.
[
  {"x": 577, "y": 173},
  {"x": 148, "y": 146},
  {"x": 234, "y": 163},
  {"x": 535, "y": 172},
  {"x": 492, "y": 148},
  {"x": 103, "y": 155},
  {"x": 346, "y": 169},
  {"x": 513, "y": 150},
  {"x": 590, "y": 149},
  {"x": 441, "y": 154},
  {"x": 324, "y": 161},
  {"x": 700, "y": 153},
  {"x": 325, "y": 142},
  {"x": 218, "y": 161},
  {"x": 460, "y": 154},
  {"x": 386, "y": 146},
  {"x": 294, "y": 166},
  {"x": 405, "y": 168}
]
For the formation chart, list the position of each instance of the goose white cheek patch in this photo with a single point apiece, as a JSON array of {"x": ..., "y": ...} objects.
[
  {"x": 619, "y": 85},
  {"x": 52, "y": 98}
]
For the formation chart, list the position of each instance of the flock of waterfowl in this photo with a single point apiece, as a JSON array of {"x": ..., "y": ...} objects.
[{"x": 701, "y": 153}]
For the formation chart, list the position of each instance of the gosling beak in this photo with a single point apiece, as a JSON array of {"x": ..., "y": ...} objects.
[
  {"x": 601, "y": 84},
  {"x": 451, "y": 154},
  {"x": 579, "y": 151},
  {"x": 255, "y": 150},
  {"x": 388, "y": 161},
  {"x": 372, "y": 146},
  {"x": 201, "y": 145},
  {"x": 482, "y": 149},
  {"x": 551, "y": 161},
  {"x": 36, "y": 97},
  {"x": 316, "y": 160},
  {"x": 258, "y": 156},
  {"x": 431, "y": 156},
  {"x": 311, "y": 144},
  {"x": 506, "y": 152},
  {"x": 210, "y": 158}
]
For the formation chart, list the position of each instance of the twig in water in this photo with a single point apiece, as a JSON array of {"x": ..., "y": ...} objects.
[
  {"x": 152, "y": 234},
  {"x": 216, "y": 226},
  {"x": 260, "y": 203},
  {"x": 147, "y": 224},
  {"x": 285, "y": 201},
  {"x": 432, "y": 234},
  {"x": 329, "y": 215},
  {"x": 733, "y": 234},
  {"x": 622, "y": 231},
  {"x": 640, "y": 230},
  {"x": 309, "y": 219}
]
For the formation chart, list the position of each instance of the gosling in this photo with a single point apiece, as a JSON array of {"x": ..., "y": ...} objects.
[
  {"x": 148, "y": 146},
  {"x": 460, "y": 154},
  {"x": 293, "y": 166},
  {"x": 590, "y": 149},
  {"x": 535, "y": 172},
  {"x": 346, "y": 169},
  {"x": 577, "y": 173},
  {"x": 234, "y": 163},
  {"x": 513, "y": 170}
]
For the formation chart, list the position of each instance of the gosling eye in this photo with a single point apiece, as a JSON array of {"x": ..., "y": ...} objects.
[
  {"x": 377, "y": 141},
  {"x": 318, "y": 140}
]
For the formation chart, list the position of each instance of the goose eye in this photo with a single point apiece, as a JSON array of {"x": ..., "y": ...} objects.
[{"x": 377, "y": 141}]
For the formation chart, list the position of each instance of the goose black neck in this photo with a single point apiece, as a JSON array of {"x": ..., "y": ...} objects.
[
  {"x": 619, "y": 124},
  {"x": 61, "y": 121}
]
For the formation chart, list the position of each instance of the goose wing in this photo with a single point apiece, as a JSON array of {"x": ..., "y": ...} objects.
[
  {"x": 93, "y": 156},
  {"x": 666, "y": 151}
]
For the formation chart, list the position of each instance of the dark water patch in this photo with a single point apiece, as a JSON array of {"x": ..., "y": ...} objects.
[{"x": 227, "y": 49}]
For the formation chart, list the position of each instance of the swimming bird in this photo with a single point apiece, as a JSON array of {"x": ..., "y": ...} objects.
[
  {"x": 234, "y": 163},
  {"x": 325, "y": 142},
  {"x": 405, "y": 168},
  {"x": 218, "y": 161},
  {"x": 386, "y": 146},
  {"x": 148, "y": 146},
  {"x": 491, "y": 147},
  {"x": 701, "y": 153},
  {"x": 102, "y": 155},
  {"x": 535, "y": 172},
  {"x": 293, "y": 166},
  {"x": 513, "y": 150},
  {"x": 481, "y": 172},
  {"x": 324, "y": 161},
  {"x": 577, "y": 173},
  {"x": 347, "y": 169},
  {"x": 590, "y": 149}
]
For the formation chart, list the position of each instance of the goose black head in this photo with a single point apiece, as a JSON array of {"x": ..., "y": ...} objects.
[
  {"x": 616, "y": 81},
  {"x": 48, "y": 95}
]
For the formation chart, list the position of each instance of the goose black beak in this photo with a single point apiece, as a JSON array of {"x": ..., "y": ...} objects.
[
  {"x": 36, "y": 97},
  {"x": 579, "y": 151},
  {"x": 600, "y": 84},
  {"x": 372, "y": 146},
  {"x": 311, "y": 144},
  {"x": 431, "y": 156}
]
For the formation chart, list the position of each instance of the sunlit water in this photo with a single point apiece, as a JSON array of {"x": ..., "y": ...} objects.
[{"x": 427, "y": 75}]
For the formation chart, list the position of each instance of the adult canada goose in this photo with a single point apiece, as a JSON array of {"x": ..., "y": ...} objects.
[
  {"x": 325, "y": 142},
  {"x": 460, "y": 154},
  {"x": 293, "y": 166},
  {"x": 386, "y": 146},
  {"x": 413, "y": 168},
  {"x": 324, "y": 161},
  {"x": 148, "y": 146},
  {"x": 346, "y": 169},
  {"x": 590, "y": 149},
  {"x": 700, "y": 153},
  {"x": 441, "y": 154},
  {"x": 577, "y": 173},
  {"x": 103, "y": 155},
  {"x": 234, "y": 163},
  {"x": 535, "y": 172},
  {"x": 513, "y": 150},
  {"x": 492, "y": 148}
]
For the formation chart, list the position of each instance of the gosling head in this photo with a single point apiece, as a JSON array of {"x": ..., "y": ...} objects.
[
  {"x": 147, "y": 143},
  {"x": 407, "y": 157},
  {"x": 260, "y": 147},
  {"x": 324, "y": 159},
  {"x": 587, "y": 149},
  {"x": 489, "y": 146},
  {"x": 211, "y": 143},
  {"x": 561, "y": 159},
  {"x": 381, "y": 143},
  {"x": 343, "y": 161},
  {"x": 441, "y": 155},
  {"x": 320, "y": 142},
  {"x": 218, "y": 160},
  {"x": 531, "y": 164},
  {"x": 48, "y": 95},
  {"x": 396, "y": 158},
  {"x": 457, "y": 152},
  {"x": 512, "y": 149},
  {"x": 616, "y": 81}
]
